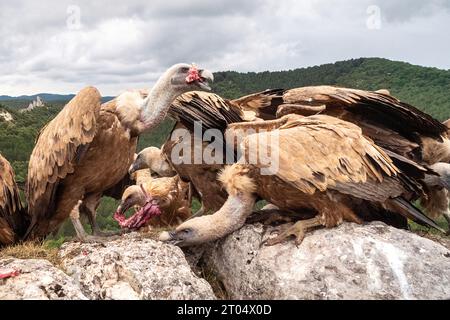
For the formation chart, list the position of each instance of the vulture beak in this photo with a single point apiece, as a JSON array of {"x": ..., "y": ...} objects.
[
  {"x": 206, "y": 76},
  {"x": 169, "y": 237},
  {"x": 123, "y": 207},
  {"x": 138, "y": 164}
]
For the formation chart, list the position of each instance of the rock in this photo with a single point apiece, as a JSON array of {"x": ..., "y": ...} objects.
[
  {"x": 133, "y": 268},
  {"x": 36, "y": 279},
  {"x": 6, "y": 116},
  {"x": 372, "y": 261}
]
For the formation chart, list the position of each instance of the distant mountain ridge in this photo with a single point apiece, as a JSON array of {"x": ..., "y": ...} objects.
[
  {"x": 43, "y": 96},
  {"x": 47, "y": 97},
  {"x": 424, "y": 87}
]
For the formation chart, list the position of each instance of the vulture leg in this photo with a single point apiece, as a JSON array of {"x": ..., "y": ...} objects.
[
  {"x": 75, "y": 218},
  {"x": 89, "y": 207},
  {"x": 298, "y": 230},
  {"x": 79, "y": 229}
]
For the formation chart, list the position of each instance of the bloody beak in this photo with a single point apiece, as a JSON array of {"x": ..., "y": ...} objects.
[
  {"x": 200, "y": 77},
  {"x": 123, "y": 207}
]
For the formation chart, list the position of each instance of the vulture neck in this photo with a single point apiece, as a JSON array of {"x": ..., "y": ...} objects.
[
  {"x": 232, "y": 215},
  {"x": 158, "y": 102}
]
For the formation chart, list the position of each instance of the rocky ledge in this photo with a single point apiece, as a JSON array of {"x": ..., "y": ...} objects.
[{"x": 373, "y": 261}]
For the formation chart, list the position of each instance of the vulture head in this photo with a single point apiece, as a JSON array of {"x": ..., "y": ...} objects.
[
  {"x": 152, "y": 158},
  {"x": 195, "y": 231},
  {"x": 178, "y": 79},
  {"x": 136, "y": 196},
  {"x": 188, "y": 77}
]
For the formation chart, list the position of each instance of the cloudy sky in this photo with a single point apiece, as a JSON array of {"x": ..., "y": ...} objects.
[{"x": 60, "y": 46}]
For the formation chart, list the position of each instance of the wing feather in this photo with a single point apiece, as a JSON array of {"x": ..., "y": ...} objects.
[
  {"x": 12, "y": 218},
  {"x": 320, "y": 152},
  {"x": 213, "y": 111},
  {"x": 55, "y": 153},
  {"x": 375, "y": 107}
]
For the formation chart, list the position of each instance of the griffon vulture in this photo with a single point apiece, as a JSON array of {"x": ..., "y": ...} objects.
[
  {"x": 153, "y": 159},
  {"x": 161, "y": 201},
  {"x": 398, "y": 127},
  {"x": 13, "y": 218},
  {"x": 88, "y": 147},
  {"x": 324, "y": 164}
]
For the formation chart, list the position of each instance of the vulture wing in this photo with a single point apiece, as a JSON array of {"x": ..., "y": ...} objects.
[
  {"x": 60, "y": 145},
  {"x": 392, "y": 124},
  {"x": 317, "y": 153},
  {"x": 374, "y": 106},
  {"x": 213, "y": 111},
  {"x": 262, "y": 104},
  {"x": 12, "y": 218}
]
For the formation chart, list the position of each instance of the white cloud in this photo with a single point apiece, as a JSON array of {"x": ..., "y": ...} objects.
[{"x": 123, "y": 44}]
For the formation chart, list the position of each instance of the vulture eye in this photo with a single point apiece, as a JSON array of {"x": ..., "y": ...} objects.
[{"x": 184, "y": 70}]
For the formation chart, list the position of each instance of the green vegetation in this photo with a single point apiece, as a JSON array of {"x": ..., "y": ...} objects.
[{"x": 425, "y": 88}]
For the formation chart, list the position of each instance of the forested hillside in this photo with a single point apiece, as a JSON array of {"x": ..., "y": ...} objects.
[{"x": 426, "y": 88}]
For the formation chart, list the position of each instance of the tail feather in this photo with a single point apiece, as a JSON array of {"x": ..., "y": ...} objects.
[{"x": 409, "y": 211}]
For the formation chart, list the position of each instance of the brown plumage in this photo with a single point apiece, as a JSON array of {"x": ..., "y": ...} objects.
[
  {"x": 81, "y": 153},
  {"x": 395, "y": 126},
  {"x": 392, "y": 124},
  {"x": 215, "y": 113},
  {"x": 171, "y": 194},
  {"x": 325, "y": 164},
  {"x": 13, "y": 219},
  {"x": 88, "y": 147}
]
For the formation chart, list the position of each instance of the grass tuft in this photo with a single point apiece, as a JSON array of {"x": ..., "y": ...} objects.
[{"x": 32, "y": 250}]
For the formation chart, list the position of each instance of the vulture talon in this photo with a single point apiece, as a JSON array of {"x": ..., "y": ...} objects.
[{"x": 298, "y": 230}]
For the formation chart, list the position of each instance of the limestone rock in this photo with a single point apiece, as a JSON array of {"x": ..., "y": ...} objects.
[
  {"x": 133, "y": 268},
  {"x": 372, "y": 261},
  {"x": 36, "y": 279}
]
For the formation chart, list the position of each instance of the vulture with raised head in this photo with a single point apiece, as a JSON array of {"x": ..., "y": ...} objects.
[
  {"x": 88, "y": 147},
  {"x": 13, "y": 218},
  {"x": 325, "y": 166}
]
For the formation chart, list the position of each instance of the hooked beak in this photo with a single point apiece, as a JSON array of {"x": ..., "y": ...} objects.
[
  {"x": 123, "y": 207},
  {"x": 206, "y": 77},
  {"x": 169, "y": 237},
  {"x": 138, "y": 164}
]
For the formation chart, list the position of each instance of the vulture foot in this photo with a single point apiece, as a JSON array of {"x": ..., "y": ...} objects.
[{"x": 297, "y": 230}]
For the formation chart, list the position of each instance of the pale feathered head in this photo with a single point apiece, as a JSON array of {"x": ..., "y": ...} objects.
[{"x": 189, "y": 77}]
